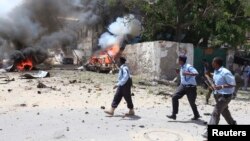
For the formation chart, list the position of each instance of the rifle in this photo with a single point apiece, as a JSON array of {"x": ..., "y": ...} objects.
[{"x": 209, "y": 81}]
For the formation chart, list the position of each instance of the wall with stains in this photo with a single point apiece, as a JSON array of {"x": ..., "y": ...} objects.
[{"x": 154, "y": 60}]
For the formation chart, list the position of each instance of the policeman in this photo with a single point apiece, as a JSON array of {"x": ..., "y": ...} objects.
[
  {"x": 123, "y": 89},
  {"x": 224, "y": 83},
  {"x": 187, "y": 87}
]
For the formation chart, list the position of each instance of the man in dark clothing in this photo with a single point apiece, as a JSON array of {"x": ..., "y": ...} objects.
[
  {"x": 187, "y": 87},
  {"x": 123, "y": 89}
]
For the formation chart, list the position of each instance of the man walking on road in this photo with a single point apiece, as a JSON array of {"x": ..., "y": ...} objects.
[
  {"x": 187, "y": 87},
  {"x": 123, "y": 89},
  {"x": 224, "y": 83}
]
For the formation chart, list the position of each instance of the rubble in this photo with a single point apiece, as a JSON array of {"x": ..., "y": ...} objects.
[
  {"x": 72, "y": 81},
  {"x": 142, "y": 126},
  {"x": 89, "y": 90},
  {"x": 99, "y": 89},
  {"x": 35, "y": 105},
  {"x": 41, "y": 85},
  {"x": 21, "y": 105},
  {"x": 166, "y": 82},
  {"x": 52, "y": 106},
  {"x": 164, "y": 93},
  {"x": 6, "y": 79},
  {"x": 148, "y": 83}
]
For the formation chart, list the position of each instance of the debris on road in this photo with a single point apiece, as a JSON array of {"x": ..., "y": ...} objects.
[
  {"x": 148, "y": 83},
  {"x": 72, "y": 81},
  {"x": 41, "y": 85},
  {"x": 164, "y": 93},
  {"x": 6, "y": 79},
  {"x": 39, "y": 74}
]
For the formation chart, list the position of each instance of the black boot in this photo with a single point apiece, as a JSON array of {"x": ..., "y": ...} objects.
[
  {"x": 196, "y": 117},
  {"x": 234, "y": 123},
  {"x": 172, "y": 116}
]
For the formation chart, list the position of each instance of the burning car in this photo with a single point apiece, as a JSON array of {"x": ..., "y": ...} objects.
[
  {"x": 26, "y": 60},
  {"x": 105, "y": 60}
]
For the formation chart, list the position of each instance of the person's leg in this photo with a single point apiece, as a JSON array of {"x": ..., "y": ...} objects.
[
  {"x": 117, "y": 99},
  {"x": 226, "y": 113},
  {"x": 180, "y": 92},
  {"x": 208, "y": 95},
  {"x": 191, "y": 95},
  {"x": 245, "y": 83},
  {"x": 127, "y": 96},
  {"x": 221, "y": 105}
]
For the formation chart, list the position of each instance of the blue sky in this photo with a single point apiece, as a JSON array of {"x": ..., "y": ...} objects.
[{"x": 7, "y": 5}]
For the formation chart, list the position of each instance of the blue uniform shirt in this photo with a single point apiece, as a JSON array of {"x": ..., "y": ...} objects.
[
  {"x": 123, "y": 75},
  {"x": 223, "y": 76},
  {"x": 188, "y": 80}
]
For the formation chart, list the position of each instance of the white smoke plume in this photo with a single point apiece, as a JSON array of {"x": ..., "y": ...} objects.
[
  {"x": 107, "y": 39},
  {"x": 120, "y": 30}
]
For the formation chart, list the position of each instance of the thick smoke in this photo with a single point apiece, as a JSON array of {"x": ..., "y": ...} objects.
[
  {"x": 120, "y": 30},
  {"x": 36, "y": 25}
]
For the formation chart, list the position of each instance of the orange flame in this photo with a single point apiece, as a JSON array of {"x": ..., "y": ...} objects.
[
  {"x": 106, "y": 56},
  {"x": 26, "y": 64}
]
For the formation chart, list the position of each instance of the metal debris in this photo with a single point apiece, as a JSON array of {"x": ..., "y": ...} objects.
[{"x": 40, "y": 74}]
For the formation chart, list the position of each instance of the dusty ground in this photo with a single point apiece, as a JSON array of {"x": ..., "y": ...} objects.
[{"x": 74, "y": 111}]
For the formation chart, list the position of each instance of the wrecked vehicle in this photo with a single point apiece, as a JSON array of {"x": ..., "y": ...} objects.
[{"x": 105, "y": 60}]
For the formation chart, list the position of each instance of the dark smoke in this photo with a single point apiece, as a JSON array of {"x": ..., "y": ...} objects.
[
  {"x": 37, "y": 55},
  {"x": 37, "y": 25}
]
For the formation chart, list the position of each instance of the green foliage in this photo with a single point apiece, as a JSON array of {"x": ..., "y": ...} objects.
[{"x": 215, "y": 21}]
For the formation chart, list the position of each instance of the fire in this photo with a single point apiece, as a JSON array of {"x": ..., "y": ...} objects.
[
  {"x": 106, "y": 56},
  {"x": 104, "y": 60},
  {"x": 26, "y": 64}
]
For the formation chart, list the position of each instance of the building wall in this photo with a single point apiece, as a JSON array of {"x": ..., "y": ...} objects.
[
  {"x": 87, "y": 41},
  {"x": 154, "y": 60}
]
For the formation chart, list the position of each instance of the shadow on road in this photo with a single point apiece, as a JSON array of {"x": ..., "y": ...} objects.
[
  {"x": 199, "y": 121},
  {"x": 124, "y": 117}
]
